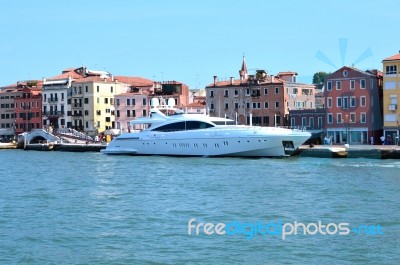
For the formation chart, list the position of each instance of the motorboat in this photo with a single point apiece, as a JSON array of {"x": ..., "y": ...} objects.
[{"x": 172, "y": 132}]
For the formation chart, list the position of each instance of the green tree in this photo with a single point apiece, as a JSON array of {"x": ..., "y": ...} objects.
[{"x": 319, "y": 77}]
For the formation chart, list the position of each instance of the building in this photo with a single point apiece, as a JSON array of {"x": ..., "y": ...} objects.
[
  {"x": 391, "y": 95},
  {"x": 54, "y": 94},
  {"x": 28, "y": 110},
  {"x": 353, "y": 108},
  {"x": 91, "y": 102},
  {"x": 133, "y": 103},
  {"x": 175, "y": 90},
  {"x": 7, "y": 114},
  {"x": 311, "y": 120},
  {"x": 18, "y": 108},
  {"x": 198, "y": 105},
  {"x": 259, "y": 99}
]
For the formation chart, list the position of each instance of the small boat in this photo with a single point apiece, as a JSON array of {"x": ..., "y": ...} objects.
[{"x": 172, "y": 132}]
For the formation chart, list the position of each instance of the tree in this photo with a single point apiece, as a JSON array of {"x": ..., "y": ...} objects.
[{"x": 319, "y": 77}]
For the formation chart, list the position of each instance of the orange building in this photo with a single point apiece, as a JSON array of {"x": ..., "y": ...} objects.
[{"x": 28, "y": 110}]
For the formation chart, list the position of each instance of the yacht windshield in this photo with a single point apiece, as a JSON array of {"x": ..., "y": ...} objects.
[{"x": 183, "y": 126}]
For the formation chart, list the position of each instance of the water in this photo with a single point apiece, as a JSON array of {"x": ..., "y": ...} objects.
[{"x": 88, "y": 208}]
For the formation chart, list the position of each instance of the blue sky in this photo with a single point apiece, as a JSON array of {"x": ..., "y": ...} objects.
[{"x": 191, "y": 41}]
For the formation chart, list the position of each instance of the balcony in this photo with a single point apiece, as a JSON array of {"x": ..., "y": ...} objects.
[
  {"x": 53, "y": 113},
  {"x": 393, "y": 107},
  {"x": 77, "y": 105}
]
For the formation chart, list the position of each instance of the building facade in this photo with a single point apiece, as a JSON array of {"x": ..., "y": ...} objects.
[
  {"x": 353, "y": 106},
  {"x": 54, "y": 94},
  {"x": 259, "y": 99},
  {"x": 391, "y": 97},
  {"x": 28, "y": 110}
]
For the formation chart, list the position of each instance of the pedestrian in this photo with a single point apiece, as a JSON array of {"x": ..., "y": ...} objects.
[
  {"x": 383, "y": 140},
  {"x": 372, "y": 140}
]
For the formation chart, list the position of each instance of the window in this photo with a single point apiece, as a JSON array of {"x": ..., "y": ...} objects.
[
  {"x": 372, "y": 83},
  {"x": 86, "y": 89},
  {"x": 330, "y": 118},
  {"x": 304, "y": 121},
  {"x": 339, "y": 117},
  {"x": 319, "y": 122},
  {"x": 117, "y": 102},
  {"x": 362, "y": 84},
  {"x": 352, "y": 117},
  {"x": 363, "y": 117},
  {"x": 144, "y": 102},
  {"x": 211, "y": 106},
  {"x": 128, "y": 113},
  {"x": 236, "y": 92},
  {"x": 352, "y": 84},
  {"x": 363, "y": 101},
  {"x": 339, "y": 102},
  {"x": 345, "y": 73},
  {"x": 226, "y": 93},
  {"x": 276, "y": 104},
  {"x": 98, "y": 101},
  {"x": 345, "y": 102},
  {"x": 105, "y": 100},
  {"x": 256, "y": 105},
  {"x": 265, "y": 91},
  {"x": 266, "y": 120},
  {"x": 265, "y": 105},
  {"x": 292, "y": 122},
  {"x": 98, "y": 89},
  {"x": 295, "y": 91},
  {"x": 352, "y": 102},
  {"x": 311, "y": 122},
  {"x": 329, "y": 85},
  {"x": 226, "y": 105},
  {"x": 247, "y": 91},
  {"x": 118, "y": 114},
  {"x": 144, "y": 112},
  {"x": 329, "y": 102},
  {"x": 112, "y": 89},
  {"x": 247, "y": 105},
  {"x": 236, "y": 105},
  {"x": 133, "y": 113},
  {"x": 211, "y": 93},
  {"x": 182, "y": 126},
  {"x": 128, "y": 101},
  {"x": 276, "y": 90},
  {"x": 338, "y": 85},
  {"x": 391, "y": 69}
]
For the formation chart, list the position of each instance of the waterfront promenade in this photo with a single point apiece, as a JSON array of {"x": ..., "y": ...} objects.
[{"x": 351, "y": 151}]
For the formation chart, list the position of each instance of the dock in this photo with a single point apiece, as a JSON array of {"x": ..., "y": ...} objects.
[
  {"x": 350, "y": 151},
  {"x": 66, "y": 147}
]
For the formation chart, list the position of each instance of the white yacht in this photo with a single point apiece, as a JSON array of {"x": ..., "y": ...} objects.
[{"x": 170, "y": 131}]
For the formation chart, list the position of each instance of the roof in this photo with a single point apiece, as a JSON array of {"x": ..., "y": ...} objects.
[
  {"x": 393, "y": 57},
  {"x": 287, "y": 73},
  {"x": 197, "y": 104},
  {"x": 134, "y": 81},
  {"x": 66, "y": 73},
  {"x": 238, "y": 82}
]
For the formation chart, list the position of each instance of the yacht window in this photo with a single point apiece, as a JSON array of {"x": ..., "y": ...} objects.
[{"x": 183, "y": 126}]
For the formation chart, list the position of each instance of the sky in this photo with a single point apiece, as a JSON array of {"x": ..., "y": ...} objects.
[{"x": 191, "y": 41}]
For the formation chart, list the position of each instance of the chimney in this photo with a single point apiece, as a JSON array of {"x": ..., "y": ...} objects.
[
  {"x": 232, "y": 81},
  {"x": 272, "y": 79},
  {"x": 215, "y": 80}
]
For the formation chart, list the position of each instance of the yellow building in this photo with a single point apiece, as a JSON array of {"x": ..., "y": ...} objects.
[{"x": 391, "y": 96}]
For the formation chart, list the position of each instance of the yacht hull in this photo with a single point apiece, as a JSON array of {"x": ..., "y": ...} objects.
[{"x": 253, "y": 142}]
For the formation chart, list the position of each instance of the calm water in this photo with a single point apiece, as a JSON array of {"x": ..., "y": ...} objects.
[{"x": 88, "y": 208}]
